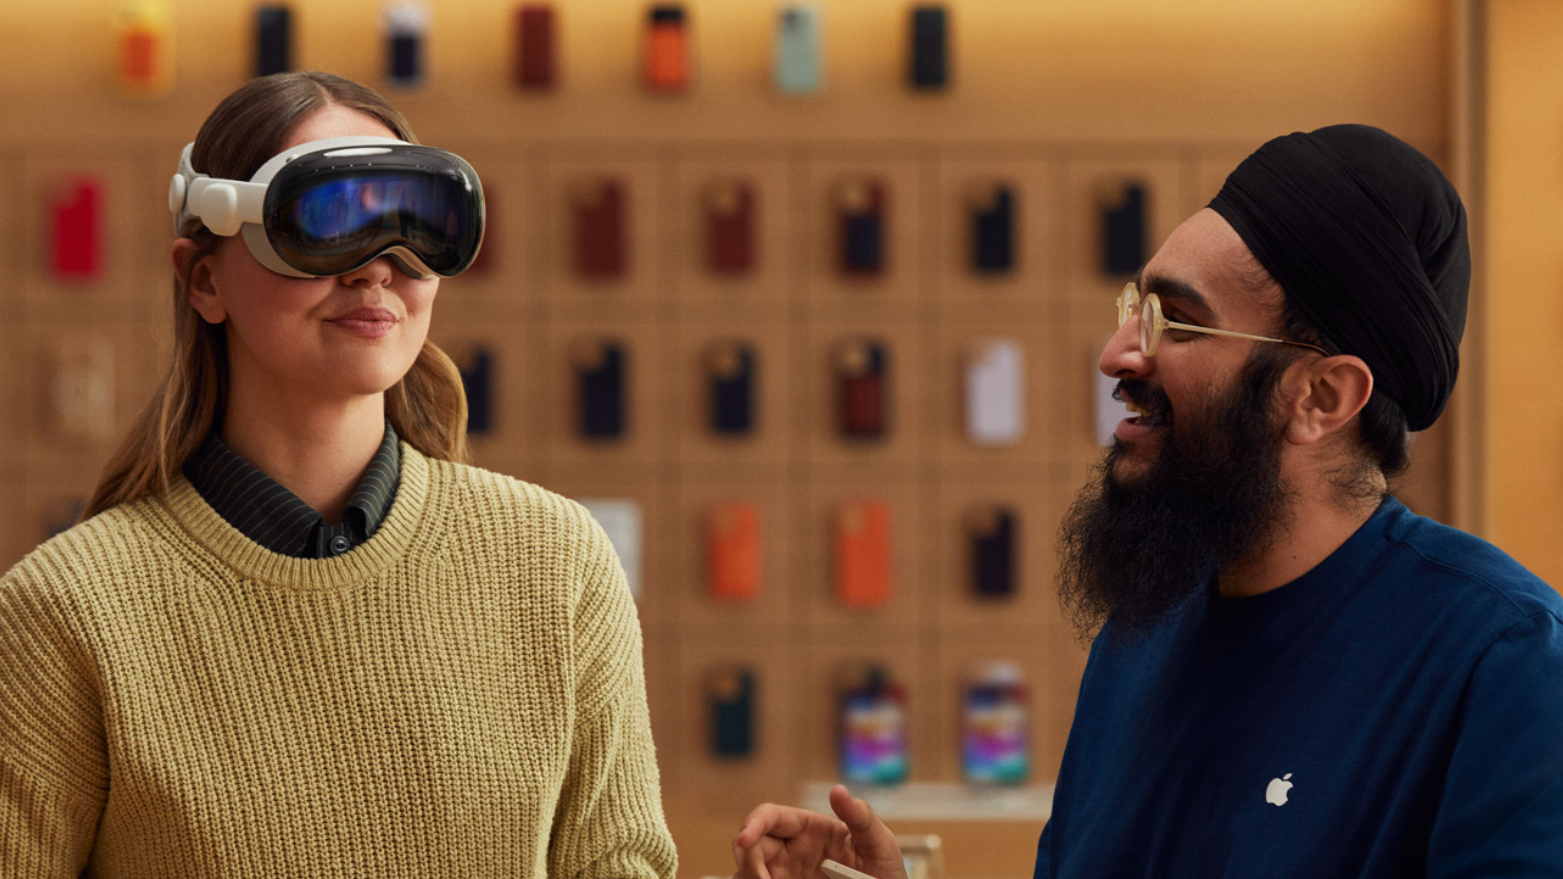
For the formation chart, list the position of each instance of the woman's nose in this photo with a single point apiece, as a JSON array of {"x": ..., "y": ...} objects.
[{"x": 375, "y": 273}]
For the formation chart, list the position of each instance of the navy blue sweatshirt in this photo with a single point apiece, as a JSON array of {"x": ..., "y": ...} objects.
[{"x": 1395, "y": 712}]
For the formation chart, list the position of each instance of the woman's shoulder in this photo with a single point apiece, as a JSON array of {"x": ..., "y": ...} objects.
[
  {"x": 489, "y": 493},
  {"x": 91, "y": 554}
]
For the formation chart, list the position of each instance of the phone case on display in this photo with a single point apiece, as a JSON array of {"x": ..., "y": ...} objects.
[
  {"x": 733, "y": 551},
  {"x": 990, "y": 531},
  {"x": 862, "y": 381},
  {"x": 1108, "y": 411},
  {"x": 81, "y": 390},
  {"x": 60, "y": 515},
  {"x": 621, "y": 520},
  {"x": 732, "y": 692},
  {"x": 601, "y": 378},
  {"x": 273, "y": 39},
  {"x": 1123, "y": 229},
  {"x": 798, "y": 50},
  {"x": 667, "y": 49},
  {"x": 729, "y": 221},
  {"x": 863, "y": 554},
  {"x": 995, "y": 740},
  {"x": 731, "y": 368},
  {"x": 406, "y": 24},
  {"x": 477, "y": 379},
  {"x": 76, "y": 226},
  {"x": 144, "y": 67},
  {"x": 534, "y": 46},
  {"x": 874, "y": 739},
  {"x": 995, "y": 392},
  {"x": 992, "y": 228},
  {"x": 601, "y": 233},
  {"x": 930, "y": 48},
  {"x": 488, "y": 251},
  {"x": 860, "y": 215}
]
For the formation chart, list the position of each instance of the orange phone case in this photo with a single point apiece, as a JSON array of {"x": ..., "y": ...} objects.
[
  {"x": 667, "y": 50},
  {"x": 142, "y": 69},
  {"x": 863, "y": 545},
  {"x": 733, "y": 551}
]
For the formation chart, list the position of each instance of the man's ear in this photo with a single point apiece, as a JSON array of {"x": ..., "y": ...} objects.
[
  {"x": 197, "y": 276},
  {"x": 1327, "y": 394}
]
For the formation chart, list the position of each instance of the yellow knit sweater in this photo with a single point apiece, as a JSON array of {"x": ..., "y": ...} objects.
[{"x": 462, "y": 695}]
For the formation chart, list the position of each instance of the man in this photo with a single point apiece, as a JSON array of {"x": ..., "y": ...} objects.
[{"x": 1293, "y": 675}]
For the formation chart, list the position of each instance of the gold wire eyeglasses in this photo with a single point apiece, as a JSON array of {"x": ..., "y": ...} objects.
[{"x": 1152, "y": 323}]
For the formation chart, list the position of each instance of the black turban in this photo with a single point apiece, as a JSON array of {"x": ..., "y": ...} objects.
[{"x": 1367, "y": 238}]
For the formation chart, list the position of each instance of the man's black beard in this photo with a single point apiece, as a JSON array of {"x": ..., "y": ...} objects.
[{"x": 1213, "y": 496}]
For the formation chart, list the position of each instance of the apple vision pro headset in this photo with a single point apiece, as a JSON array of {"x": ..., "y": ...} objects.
[{"x": 332, "y": 206}]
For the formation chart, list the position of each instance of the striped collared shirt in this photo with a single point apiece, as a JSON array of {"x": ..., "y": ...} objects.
[{"x": 265, "y": 512}]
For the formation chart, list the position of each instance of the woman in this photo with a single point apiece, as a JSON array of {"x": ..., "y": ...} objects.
[{"x": 294, "y": 635}]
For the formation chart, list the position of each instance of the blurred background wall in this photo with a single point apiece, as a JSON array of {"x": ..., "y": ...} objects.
[{"x": 1070, "y": 106}]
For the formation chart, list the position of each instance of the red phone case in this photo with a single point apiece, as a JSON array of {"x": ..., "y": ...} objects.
[
  {"x": 861, "y": 397},
  {"x": 76, "y": 224},
  {"x": 601, "y": 245},
  {"x": 534, "y": 61},
  {"x": 729, "y": 211}
]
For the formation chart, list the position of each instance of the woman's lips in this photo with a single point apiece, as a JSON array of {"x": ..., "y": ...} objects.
[{"x": 370, "y": 323}]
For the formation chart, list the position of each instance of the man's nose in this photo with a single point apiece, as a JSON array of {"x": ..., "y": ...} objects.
[{"x": 1122, "y": 357}]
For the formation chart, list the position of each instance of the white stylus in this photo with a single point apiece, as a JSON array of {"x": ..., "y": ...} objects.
[{"x": 841, "y": 871}]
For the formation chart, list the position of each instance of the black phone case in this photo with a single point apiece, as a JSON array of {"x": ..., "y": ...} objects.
[
  {"x": 730, "y": 371},
  {"x": 863, "y": 233},
  {"x": 930, "y": 48},
  {"x": 406, "y": 58},
  {"x": 732, "y": 694},
  {"x": 993, "y": 553},
  {"x": 993, "y": 233},
  {"x": 273, "y": 40},
  {"x": 602, "y": 395},
  {"x": 477, "y": 379},
  {"x": 1123, "y": 232}
]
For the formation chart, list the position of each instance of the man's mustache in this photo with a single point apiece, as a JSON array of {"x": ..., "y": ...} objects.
[{"x": 1152, "y": 401}]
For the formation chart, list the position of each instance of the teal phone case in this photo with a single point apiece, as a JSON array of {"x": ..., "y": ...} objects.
[{"x": 798, "y": 50}]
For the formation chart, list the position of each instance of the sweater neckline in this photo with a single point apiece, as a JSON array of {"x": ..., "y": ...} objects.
[{"x": 204, "y": 525}]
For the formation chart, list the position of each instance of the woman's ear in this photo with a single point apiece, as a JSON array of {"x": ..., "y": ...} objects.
[
  {"x": 1334, "y": 390},
  {"x": 190, "y": 266}
]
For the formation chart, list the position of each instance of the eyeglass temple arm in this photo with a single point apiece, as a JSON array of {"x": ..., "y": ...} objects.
[{"x": 1174, "y": 325}]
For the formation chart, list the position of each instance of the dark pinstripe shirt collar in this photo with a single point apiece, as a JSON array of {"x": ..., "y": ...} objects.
[{"x": 267, "y": 513}]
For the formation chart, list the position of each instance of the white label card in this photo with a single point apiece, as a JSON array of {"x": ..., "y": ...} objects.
[{"x": 622, "y": 520}]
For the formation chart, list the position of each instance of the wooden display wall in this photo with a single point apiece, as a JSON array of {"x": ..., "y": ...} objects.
[{"x": 80, "y": 356}]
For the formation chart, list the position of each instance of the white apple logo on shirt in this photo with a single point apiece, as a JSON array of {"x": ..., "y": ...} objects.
[{"x": 1275, "y": 794}]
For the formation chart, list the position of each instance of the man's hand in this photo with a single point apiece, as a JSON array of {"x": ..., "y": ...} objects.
[{"x": 782, "y": 842}]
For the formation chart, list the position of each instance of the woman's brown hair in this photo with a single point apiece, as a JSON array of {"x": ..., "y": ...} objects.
[{"x": 428, "y": 407}]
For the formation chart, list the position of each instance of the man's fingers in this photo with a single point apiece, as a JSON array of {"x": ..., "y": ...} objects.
[
  {"x": 873, "y": 847},
  {"x": 769, "y": 820},
  {"x": 750, "y": 862},
  {"x": 782, "y": 822},
  {"x": 857, "y": 814}
]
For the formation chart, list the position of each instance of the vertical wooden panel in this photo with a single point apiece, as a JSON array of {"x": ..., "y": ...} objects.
[{"x": 1524, "y": 129}]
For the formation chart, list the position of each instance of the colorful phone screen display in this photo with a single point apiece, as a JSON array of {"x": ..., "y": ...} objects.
[
  {"x": 873, "y": 735},
  {"x": 995, "y": 736}
]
